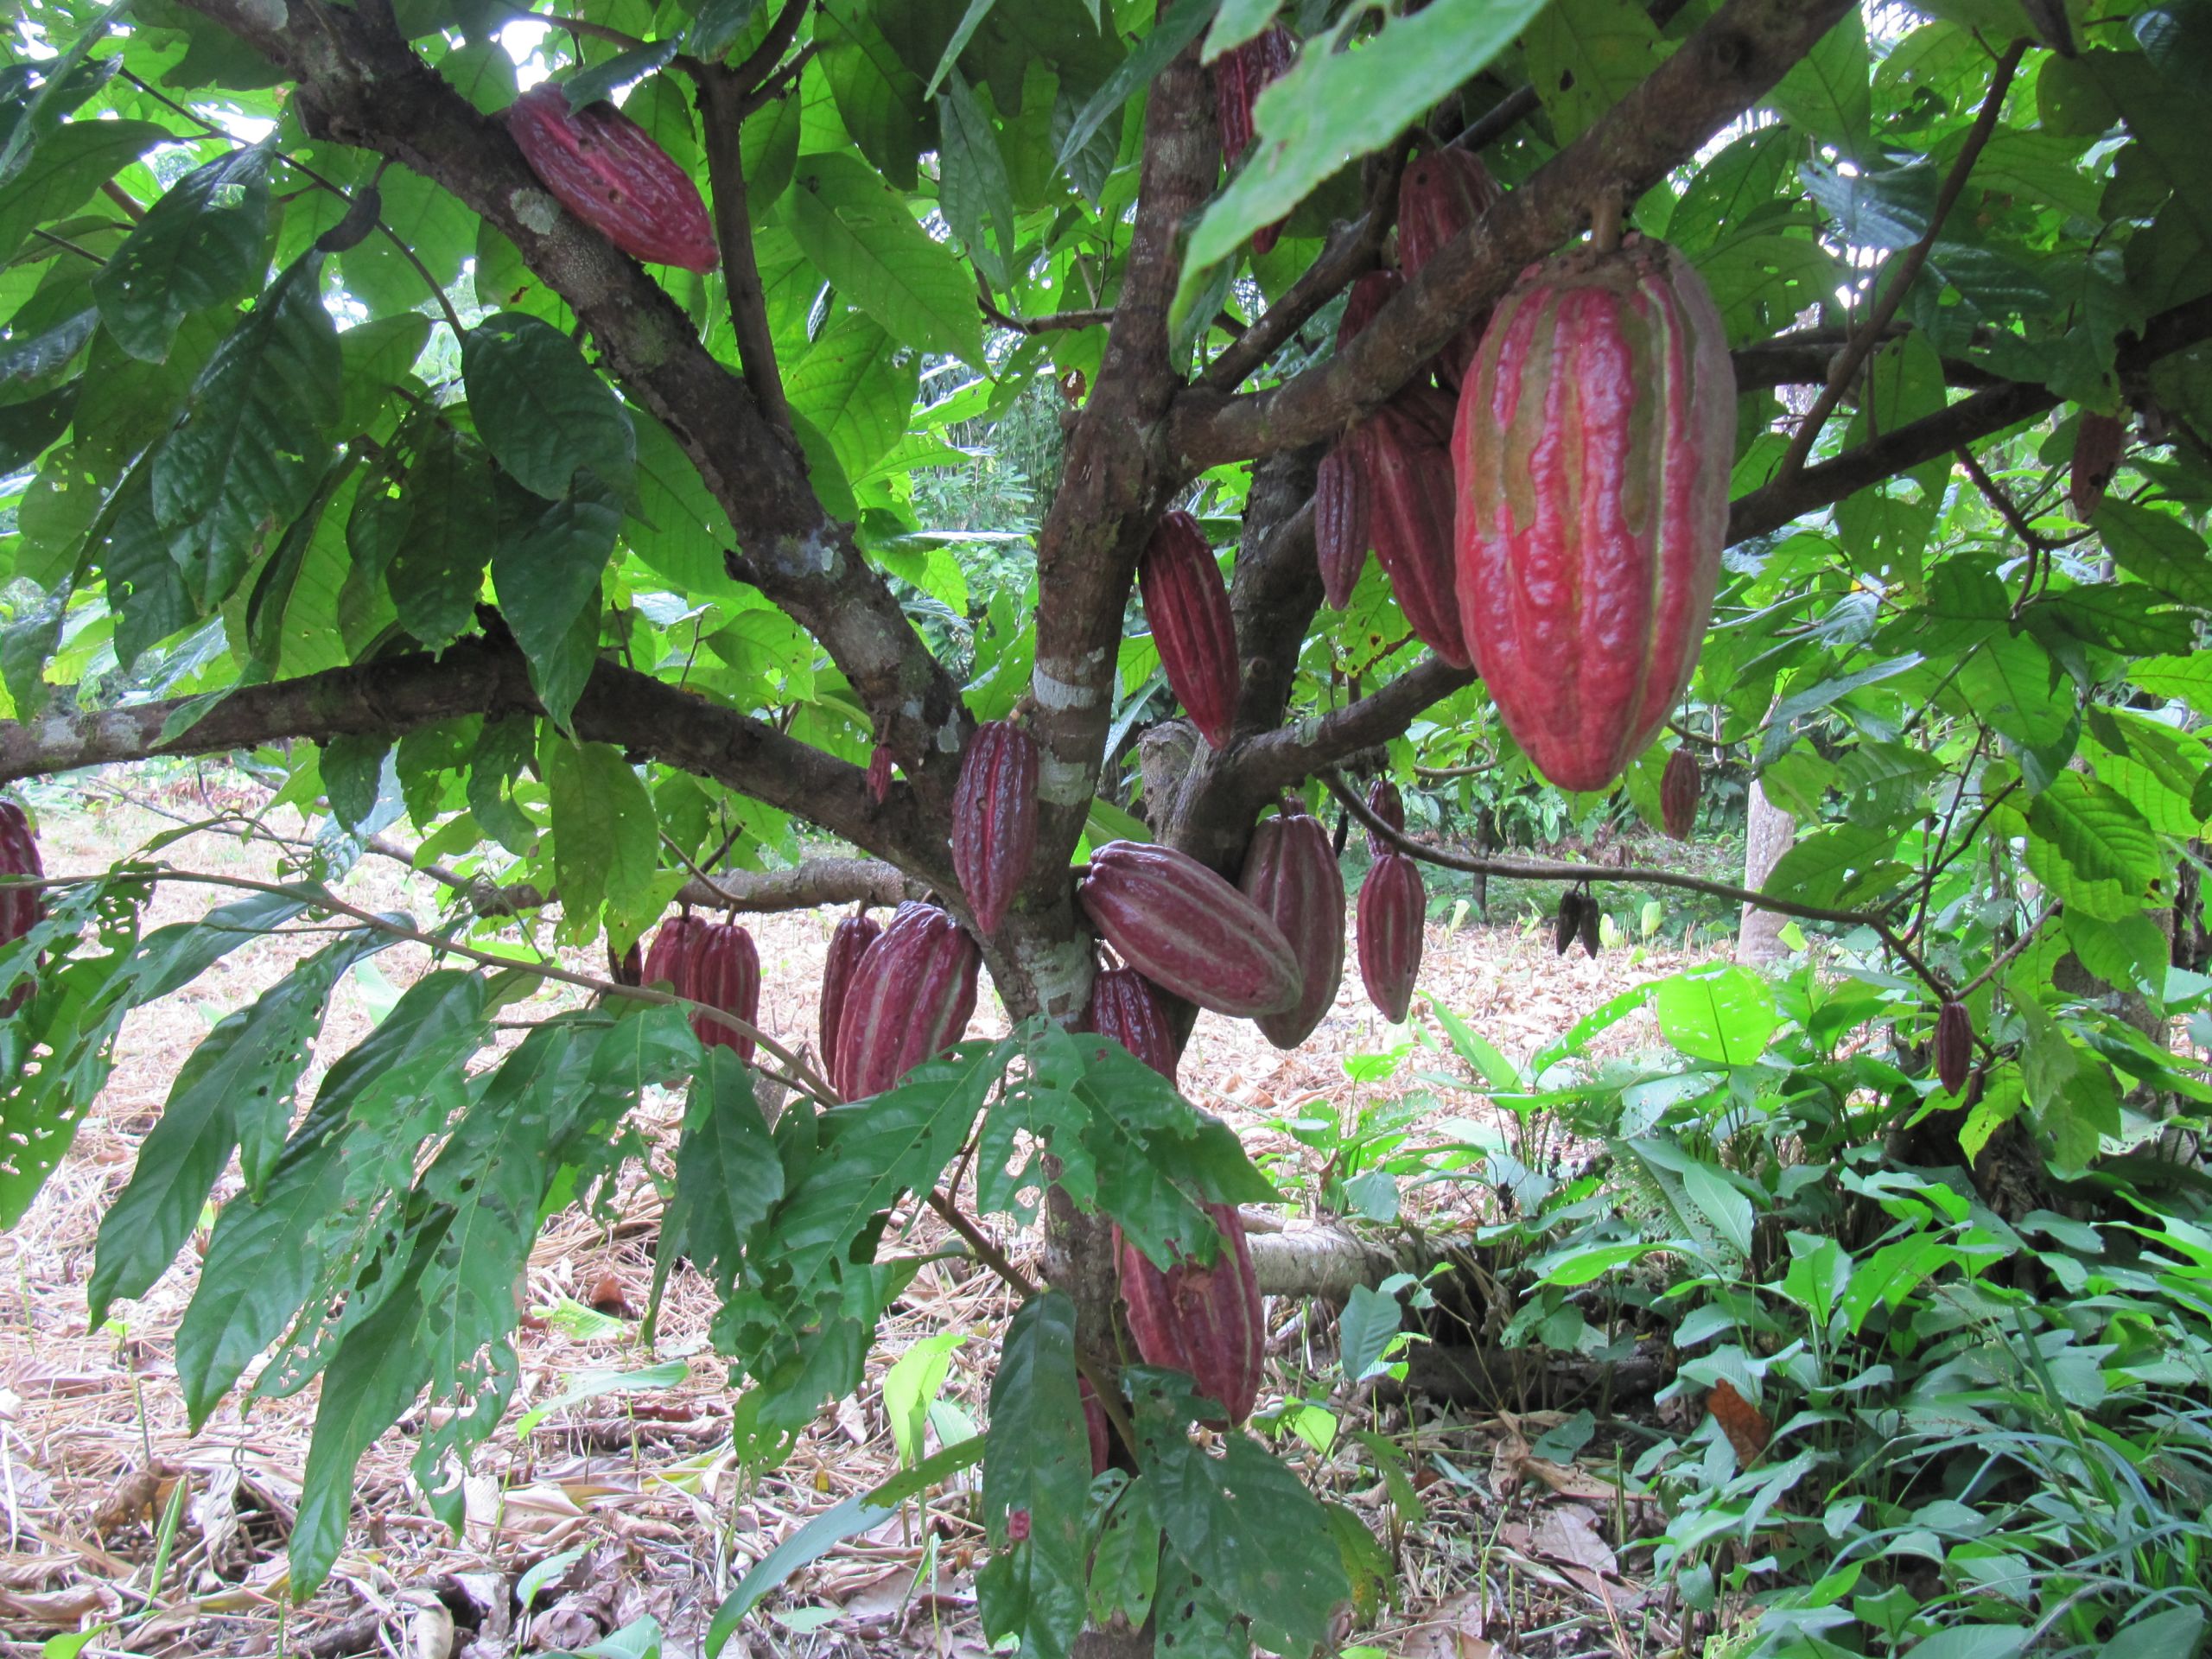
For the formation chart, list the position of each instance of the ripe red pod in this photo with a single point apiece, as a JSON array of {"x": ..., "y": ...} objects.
[
  {"x": 1393, "y": 905},
  {"x": 1953, "y": 1046},
  {"x": 1592, "y": 454},
  {"x": 1386, "y": 804},
  {"x": 668, "y": 961},
  {"x": 1238, "y": 76},
  {"x": 995, "y": 819},
  {"x": 1188, "y": 930},
  {"x": 910, "y": 1000},
  {"x": 1343, "y": 515},
  {"x": 1124, "y": 1006},
  {"x": 1679, "y": 786},
  {"x": 2097, "y": 443},
  {"x": 1207, "y": 1321},
  {"x": 849, "y": 943},
  {"x": 21, "y": 908},
  {"x": 606, "y": 170},
  {"x": 1439, "y": 196},
  {"x": 1290, "y": 873},
  {"x": 879, "y": 773},
  {"x": 726, "y": 975},
  {"x": 1405, "y": 444},
  {"x": 1192, "y": 624}
]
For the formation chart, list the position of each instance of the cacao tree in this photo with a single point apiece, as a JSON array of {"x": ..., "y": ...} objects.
[{"x": 524, "y": 425}]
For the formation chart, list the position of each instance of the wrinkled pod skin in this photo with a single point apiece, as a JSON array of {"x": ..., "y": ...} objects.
[
  {"x": 1187, "y": 605},
  {"x": 1595, "y": 433},
  {"x": 849, "y": 943},
  {"x": 1124, "y": 1006},
  {"x": 669, "y": 958},
  {"x": 1291, "y": 874},
  {"x": 726, "y": 975},
  {"x": 606, "y": 170},
  {"x": 1679, "y": 787},
  {"x": 1207, "y": 1321},
  {"x": 995, "y": 819},
  {"x": 1188, "y": 930},
  {"x": 1343, "y": 500},
  {"x": 21, "y": 908},
  {"x": 1393, "y": 904},
  {"x": 910, "y": 997},
  {"x": 1953, "y": 1046}
]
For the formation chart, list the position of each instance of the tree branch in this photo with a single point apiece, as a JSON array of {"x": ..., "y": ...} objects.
[
  {"x": 1719, "y": 72},
  {"x": 808, "y": 885},
  {"x": 360, "y": 84},
  {"x": 1907, "y": 265},
  {"x": 720, "y": 93},
  {"x": 1057, "y": 322},
  {"x": 479, "y": 676}
]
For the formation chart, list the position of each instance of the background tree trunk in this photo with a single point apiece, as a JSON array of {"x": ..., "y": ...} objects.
[{"x": 1768, "y": 833}]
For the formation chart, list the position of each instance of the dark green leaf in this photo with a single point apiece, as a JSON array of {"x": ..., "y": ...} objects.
[
  {"x": 862, "y": 235},
  {"x": 547, "y": 573},
  {"x": 1039, "y": 1467},
  {"x": 606, "y": 849},
  {"x": 541, "y": 411},
  {"x": 879, "y": 96},
  {"x": 68, "y": 165},
  {"x": 451, "y": 525},
  {"x": 728, "y": 1176},
  {"x": 972, "y": 184},
  {"x": 352, "y": 774},
  {"x": 199, "y": 245},
  {"x": 602, "y": 80}
]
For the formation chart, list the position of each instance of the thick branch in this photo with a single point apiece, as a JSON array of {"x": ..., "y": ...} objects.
[
  {"x": 479, "y": 676},
  {"x": 1718, "y": 72},
  {"x": 359, "y": 84}
]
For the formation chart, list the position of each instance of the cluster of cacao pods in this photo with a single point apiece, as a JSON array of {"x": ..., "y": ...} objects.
[
  {"x": 1290, "y": 875},
  {"x": 1679, "y": 787},
  {"x": 21, "y": 908},
  {"x": 1204, "y": 1320},
  {"x": 907, "y": 999},
  {"x": 1239, "y": 74},
  {"x": 606, "y": 170},
  {"x": 712, "y": 963},
  {"x": 1188, "y": 608},
  {"x": 1577, "y": 919},
  {"x": 1189, "y": 931},
  {"x": 995, "y": 819},
  {"x": 1595, "y": 432}
]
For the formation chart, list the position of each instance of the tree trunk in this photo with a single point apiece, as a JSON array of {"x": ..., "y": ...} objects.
[{"x": 1768, "y": 832}]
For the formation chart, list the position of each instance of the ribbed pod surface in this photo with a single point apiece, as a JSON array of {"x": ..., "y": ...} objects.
[
  {"x": 1188, "y": 930},
  {"x": 606, "y": 170},
  {"x": 1392, "y": 905},
  {"x": 995, "y": 819},
  {"x": 910, "y": 999},
  {"x": 726, "y": 975},
  {"x": 1204, "y": 1321},
  {"x": 1188, "y": 608},
  {"x": 1291, "y": 874}
]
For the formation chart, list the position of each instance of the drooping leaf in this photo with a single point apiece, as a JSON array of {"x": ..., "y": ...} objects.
[{"x": 198, "y": 246}]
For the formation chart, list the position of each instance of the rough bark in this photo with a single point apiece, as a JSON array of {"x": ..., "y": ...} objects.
[{"x": 1768, "y": 832}]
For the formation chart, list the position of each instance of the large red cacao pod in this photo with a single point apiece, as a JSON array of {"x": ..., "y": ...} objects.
[
  {"x": 668, "y": 961},
  {"x": 1393, "y": 905},
  {"x": 726, "y": 975},
  {"x": 2097, "y": 444},
  {"x": 1188, "y": 607},
  {"x": 1188, "y": 930},
  {"x": 1290, "y": 872},
  {"x": 1124, "y": 1006},
  {"x": 1679, "y": 786},
  {"x": 21, "y": 908},
  {"x": 606, "y": 170},
  {"x": 849, "y": 943},
  {"x": 1591, "y": 455},
  {"x": 1204, "y": 1321},
  {"x": 1407, "y": 445},
  {"x": 995, "y": 819},
  {"x": 1386, "y": 804},
  {"x": 1953, "y": 1046},
  {"x": 1238, "y": 76},
  {"x": 910, "y": 1000}
]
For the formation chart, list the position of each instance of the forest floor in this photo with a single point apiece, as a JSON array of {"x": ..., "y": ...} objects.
[{"x": 628, "y": 1505}]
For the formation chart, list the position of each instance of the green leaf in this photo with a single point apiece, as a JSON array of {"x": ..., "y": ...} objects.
[
  {"x": 879, "y": 99},
  {"x": 1585, "y": 55},
  {"x": 856, "y": 386},
  {"x": 199, "y": 245},
  {"x": 145, "y": 589},
  {"x": 68, "y": 165},
  {"x": 2091, "y": 849},
  {"x": 1825, "y": 94},
  {"x": 2158, "y": 549},
  {"x": 541, "y": 411},
  {"x": 2176, "y": 1633},
  {"x": 449, "y": 520},
  {"x": 964, "y": 31},
  {"x": 1718, "y": 1199},
  {"x": 1720, "y": 1013},
  {"x": 606, "y": 845},
  {"x": 863, "y": 237},
  {"x": 972, "y": 184},
  {"x": 1335, "y": 104},
  {"x": 547, "y": 573},
  {"x": 728, "y": 1176},
  {"x": 1170, "y": 34},
  {"x": 503, "y": 749},
  {"x": 1038, "y": 1467},
  {"x": 1245, "y": 1524},
  {"x": 1237, "y": 21},
  {"x": 244, "y": 459},
  {"x": 602, "y": 80},
  {"x": 1125, "y": 1566}
]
